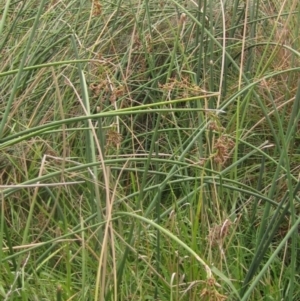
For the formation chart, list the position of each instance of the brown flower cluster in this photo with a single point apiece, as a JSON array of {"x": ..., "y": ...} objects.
[
  {"x": 113, "y": 138},
  {"x": 223, "y": 147},
  {"x": 210, "y": 292},
  {"x": 184, "y": 87},
  {"x": 97, "y": 9},
  {"x": 218, "y": 232}
]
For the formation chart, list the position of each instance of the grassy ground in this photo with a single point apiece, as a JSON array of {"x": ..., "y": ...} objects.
[{"x": 150, "y": 150}]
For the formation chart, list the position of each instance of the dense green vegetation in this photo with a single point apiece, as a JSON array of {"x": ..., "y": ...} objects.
[{"x": 150, "y": 150}]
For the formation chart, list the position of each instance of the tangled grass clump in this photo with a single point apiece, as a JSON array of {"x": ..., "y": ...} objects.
[{"x": 149, "y": 150}]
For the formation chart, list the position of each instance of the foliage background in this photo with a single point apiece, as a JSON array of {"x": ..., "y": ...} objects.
[{"x": 149, "y": 150}]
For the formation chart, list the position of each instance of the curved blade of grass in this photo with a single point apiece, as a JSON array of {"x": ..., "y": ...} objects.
[
  {"x": 207, "y": 269},
  {"x": 20, "y": 70},
  {"x": 248, "y": 292}
]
